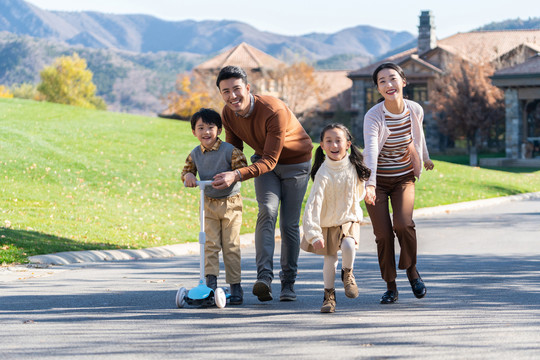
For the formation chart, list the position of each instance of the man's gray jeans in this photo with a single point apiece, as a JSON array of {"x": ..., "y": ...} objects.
[{"x": 286, "y": 184}]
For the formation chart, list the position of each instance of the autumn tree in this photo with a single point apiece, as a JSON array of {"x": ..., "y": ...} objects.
[
  {"x": 191, "y": 94},
  {"x": 68, "y": 81},
  {"x": 25, "y": 91},
  {"x": 5, "y": 93},
  {"x": 468, "y": 104},
  {"x": 299, "y": 87}
]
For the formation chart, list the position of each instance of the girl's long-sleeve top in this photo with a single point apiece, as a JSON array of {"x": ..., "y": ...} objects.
[{"x": 334, "y": 198}]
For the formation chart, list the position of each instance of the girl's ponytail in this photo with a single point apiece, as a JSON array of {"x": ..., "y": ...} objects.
[
  {"x": 319, "y": 159},
  {"x": 357, "y": 159}
]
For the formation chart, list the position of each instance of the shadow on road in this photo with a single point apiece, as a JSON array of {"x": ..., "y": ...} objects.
[{"x": 454, "y": 282}]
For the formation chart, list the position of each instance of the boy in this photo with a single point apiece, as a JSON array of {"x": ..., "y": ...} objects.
[{"x": 223, "y": 208}]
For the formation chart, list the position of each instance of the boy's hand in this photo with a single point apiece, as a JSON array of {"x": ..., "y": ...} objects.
[
  {"x": 190, "y": 180},
  {"x": 428, "y": 164}
]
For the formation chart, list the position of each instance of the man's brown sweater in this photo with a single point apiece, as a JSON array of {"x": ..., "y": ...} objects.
[{"x": 272, "y": 131}]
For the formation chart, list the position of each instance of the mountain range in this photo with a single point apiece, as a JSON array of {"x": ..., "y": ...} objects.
[
  {"x": 144, "y": 33},
  {"x": 135, "y": 58}
]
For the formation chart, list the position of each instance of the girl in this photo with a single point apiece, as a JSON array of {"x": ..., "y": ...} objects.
[
  {"x": 332, "y": 214},
  {"x": 395, "y": 147}
]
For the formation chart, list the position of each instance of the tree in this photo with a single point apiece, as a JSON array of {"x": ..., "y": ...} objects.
[
  {"x": 299, "y": 87},
  {"x": 68, "y": 81},
  {"x": 25, "y": 91},
  {"x": 5, "y": 93},
  {"x": 191, "y": 95},
  {"x": 468, "y": 104}
]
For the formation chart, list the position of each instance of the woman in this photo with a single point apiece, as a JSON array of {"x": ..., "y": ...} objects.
[{"x": 395, "y": 148}]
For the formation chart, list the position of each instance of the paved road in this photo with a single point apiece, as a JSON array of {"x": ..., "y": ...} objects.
[{"x": 481, "y": 267}]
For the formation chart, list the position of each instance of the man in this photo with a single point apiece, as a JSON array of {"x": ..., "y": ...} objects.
[{"x": 280, "y": 166}]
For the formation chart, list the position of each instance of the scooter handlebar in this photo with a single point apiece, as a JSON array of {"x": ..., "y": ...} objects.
[{"x": 203, "y": 183}]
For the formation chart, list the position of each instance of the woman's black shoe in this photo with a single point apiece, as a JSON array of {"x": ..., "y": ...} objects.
[
  {"x": 418, "y": 288},
  {"x": 389, "y": 297}
]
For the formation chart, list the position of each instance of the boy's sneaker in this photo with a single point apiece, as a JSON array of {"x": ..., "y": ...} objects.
[
  {"x": 237, "y": 294},
  {"x": 211, "y": 282},
  {"x": 262, "y": 289},
  {"x": 287, "y": 292}
]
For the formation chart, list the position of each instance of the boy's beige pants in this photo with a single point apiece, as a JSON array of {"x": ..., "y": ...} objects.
[{"x": 223, "y": 220}]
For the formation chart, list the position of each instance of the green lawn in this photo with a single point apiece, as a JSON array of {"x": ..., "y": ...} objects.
[{"x": 75, "y": 179}]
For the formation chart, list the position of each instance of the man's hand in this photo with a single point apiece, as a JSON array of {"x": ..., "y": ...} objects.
[{"x": 225, "y": 179}]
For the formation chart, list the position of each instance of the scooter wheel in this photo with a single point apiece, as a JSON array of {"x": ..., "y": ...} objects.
[
  {"x": 220, "y": 298},
  {"x": 181, "y": 297}
]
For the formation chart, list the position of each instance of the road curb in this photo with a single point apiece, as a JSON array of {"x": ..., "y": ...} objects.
[
  {"x": 73, "y": 257},
  {"x": 446, "y": 209}
]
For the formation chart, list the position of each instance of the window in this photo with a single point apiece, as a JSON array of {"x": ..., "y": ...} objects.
[
  {"x": 355, "y": 95},
  {"x": 416, "y": 92},
  {"x": 372, "y": 95}
]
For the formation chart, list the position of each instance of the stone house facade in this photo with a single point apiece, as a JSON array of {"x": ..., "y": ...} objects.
[
  {"x": 263, "y": 72},
  {"x": 429, "y": 58},
  {"x": 521, "y": 85}
]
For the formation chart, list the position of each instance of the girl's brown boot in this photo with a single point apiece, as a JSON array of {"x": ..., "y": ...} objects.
[
  {"x": 329, "y": 304},
  {"x": 349, "y": 283}
]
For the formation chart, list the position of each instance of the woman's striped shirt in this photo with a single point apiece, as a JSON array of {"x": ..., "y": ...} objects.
[{"x": 395, "y": 157}]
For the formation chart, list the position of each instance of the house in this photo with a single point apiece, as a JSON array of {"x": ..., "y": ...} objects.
[
  {"x": 265, "y": 74},
  {"x": 521, "y": 85},
  {"x": 260, "y": 67},
  {"x": 427, "y": 60}
]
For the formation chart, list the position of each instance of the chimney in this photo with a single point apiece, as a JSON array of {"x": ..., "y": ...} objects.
[{"x": 426, "y": 32}]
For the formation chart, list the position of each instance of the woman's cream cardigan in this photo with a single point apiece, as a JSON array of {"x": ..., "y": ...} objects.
[{"x": 376, "y": 132}]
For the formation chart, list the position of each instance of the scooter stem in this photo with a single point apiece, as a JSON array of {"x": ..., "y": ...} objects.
[{"x": 202, "y": 234}]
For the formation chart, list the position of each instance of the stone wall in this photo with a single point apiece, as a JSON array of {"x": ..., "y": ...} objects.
[{"x": 513, "y": 124}]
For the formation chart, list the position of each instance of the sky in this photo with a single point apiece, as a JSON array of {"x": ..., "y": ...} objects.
[{"x": 300, "y": 17}]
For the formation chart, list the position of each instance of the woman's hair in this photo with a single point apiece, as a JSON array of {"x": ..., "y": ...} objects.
[
  {"x": 356, "y": 157},
  {"x": 388, "y": 65}
]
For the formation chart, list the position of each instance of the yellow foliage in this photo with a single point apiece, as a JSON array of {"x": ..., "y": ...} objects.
[
  {"x": 68, "y": 81},
  {"x": 299, "y": 86},
  {"x": 5, "y": 93},
  {"x": 191, "y": 96},
  {"x": 25, "y": 91}
]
